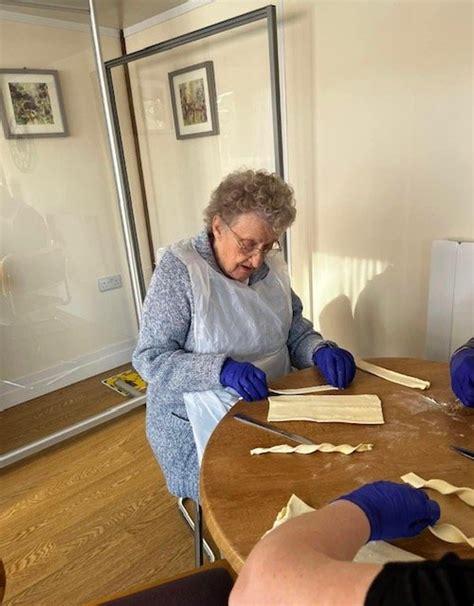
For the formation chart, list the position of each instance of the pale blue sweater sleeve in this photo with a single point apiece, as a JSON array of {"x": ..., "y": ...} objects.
[{"x": 165, "y": 343}]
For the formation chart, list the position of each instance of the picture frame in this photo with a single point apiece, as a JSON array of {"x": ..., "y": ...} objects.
[
  {"x": 31, "y": 104},
  {"x": 194, "y": 101}
]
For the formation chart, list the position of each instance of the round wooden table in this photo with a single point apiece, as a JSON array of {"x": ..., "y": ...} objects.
[{"x": 242, "y": 494}]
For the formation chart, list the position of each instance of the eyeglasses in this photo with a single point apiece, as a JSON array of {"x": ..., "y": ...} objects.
[{"x": 251, "y": 248}]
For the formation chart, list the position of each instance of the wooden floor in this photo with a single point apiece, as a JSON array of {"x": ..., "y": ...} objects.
[
  {"x": 57, "y": 410},
  {"x": 89, "y": 517}
]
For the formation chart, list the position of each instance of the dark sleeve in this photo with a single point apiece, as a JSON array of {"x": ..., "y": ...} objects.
[
  {"x": 303, "y": 340},
  {"x": 468, "y": 345},
  {"x": 447, "y": 582}
]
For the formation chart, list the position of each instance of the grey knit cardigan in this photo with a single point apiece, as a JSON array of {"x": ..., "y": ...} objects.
[{"x": 164, "y": 358}]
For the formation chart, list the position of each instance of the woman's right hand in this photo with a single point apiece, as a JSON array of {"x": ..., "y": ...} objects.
[
  {"x": 247, "y": 380},
  {"x": 394, "y": 510}
]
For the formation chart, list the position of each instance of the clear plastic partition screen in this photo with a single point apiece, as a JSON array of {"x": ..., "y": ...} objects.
[
  {"x": 202, "y": 110},
  {"x": 66, "y": 310}
]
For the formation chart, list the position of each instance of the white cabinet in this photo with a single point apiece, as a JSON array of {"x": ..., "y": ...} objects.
[{"x": 450, "y": 321}]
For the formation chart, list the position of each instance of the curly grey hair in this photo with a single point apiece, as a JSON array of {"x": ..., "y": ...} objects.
[{"x": 259, "y": 191}]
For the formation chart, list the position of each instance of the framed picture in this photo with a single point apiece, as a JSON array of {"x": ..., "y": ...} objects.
[
  {"x": 31, "y": 103},
  {"x": 194, "y": 101}
]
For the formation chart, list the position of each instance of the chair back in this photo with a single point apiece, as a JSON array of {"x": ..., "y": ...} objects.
[
  {"x": 209, "y": 585},
  {"x": 3, "y": 580}
]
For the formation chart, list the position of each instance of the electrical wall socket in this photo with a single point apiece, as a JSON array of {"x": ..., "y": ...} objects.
[{"x": 109, "y": 283}]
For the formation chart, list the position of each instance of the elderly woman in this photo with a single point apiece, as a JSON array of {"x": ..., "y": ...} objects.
[{"x": 220, "y": 319}]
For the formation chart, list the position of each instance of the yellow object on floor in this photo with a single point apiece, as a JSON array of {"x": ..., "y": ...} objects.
[{"x": 131, "y": 377}]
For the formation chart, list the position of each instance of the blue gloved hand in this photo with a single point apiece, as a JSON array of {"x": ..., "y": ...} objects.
[
  {"x": 247, "y": 380},
  {"x": 336, "y": 365},
  {"x": 462, "y": 375},
  {"x": 394, "y": 510}
]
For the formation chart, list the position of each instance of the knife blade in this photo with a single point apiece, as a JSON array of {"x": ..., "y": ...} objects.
[
  {"x": 267, "y": 427},
  {"x": 464, "y": 451}
]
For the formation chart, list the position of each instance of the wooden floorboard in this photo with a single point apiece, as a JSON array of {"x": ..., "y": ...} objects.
[
  {"x": 89, "y": 517},
  {"x": 57, "y": 410}
]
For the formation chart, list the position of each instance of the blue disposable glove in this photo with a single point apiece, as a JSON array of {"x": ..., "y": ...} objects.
[
  {"x": 394, "y": 510},
  {"x": 247, "y": 380},
  {"x": 462, "y": 375},
  {"x": 336, "y": 365}
]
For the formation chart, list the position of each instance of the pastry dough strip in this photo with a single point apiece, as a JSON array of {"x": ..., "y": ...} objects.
[
  {"x": 345, "y": 449},
  {"x": 464, "y": 493},
  {"x": 451, "y": 534},
  {"x": 300, "y": 390},
  {"x": 391, "y": 375}
]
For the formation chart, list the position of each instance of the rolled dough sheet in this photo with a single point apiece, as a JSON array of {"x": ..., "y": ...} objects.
[
  {"x": 295, "y": 507},
  {"x": 300, "y": 390},
  {"x": 441, "y": 486},
  {"x": 362, "y": 409},
  {"x": 375, "y": 552},
  {"x": 391, "y": 375},
  {"x": 345, "y": 449}
]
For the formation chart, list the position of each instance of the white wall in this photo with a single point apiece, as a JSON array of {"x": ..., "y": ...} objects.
[
  {"x": 380, "y": 153},
  {"x": 379, "y": 150},
  {"x": 68, "y": 181}
]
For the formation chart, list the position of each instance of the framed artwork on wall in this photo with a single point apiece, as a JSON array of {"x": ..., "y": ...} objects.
[
  {"x": 31, "y": 104},
  {"x": 194, "y": 101}
]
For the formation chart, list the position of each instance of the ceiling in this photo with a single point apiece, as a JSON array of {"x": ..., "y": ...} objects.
[{"x": 118, "y": 14}]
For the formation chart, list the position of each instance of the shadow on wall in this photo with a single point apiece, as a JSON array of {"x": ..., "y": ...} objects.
[
  {"x": 373, "y": 327},
  {"x": 337, "y": 323}
]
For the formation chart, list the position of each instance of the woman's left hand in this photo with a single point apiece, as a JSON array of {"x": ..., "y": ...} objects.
[
  {"x": 336, "y": 365},
  {"x": 462, "y": 375}
]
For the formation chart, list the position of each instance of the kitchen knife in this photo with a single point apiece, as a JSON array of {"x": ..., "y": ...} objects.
[
  {"x": 464, "y": 452},
  {"x": 267, "y": 427}
]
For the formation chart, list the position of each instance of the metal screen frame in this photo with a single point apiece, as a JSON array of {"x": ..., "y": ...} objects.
[{"x": 267, "y": 13}]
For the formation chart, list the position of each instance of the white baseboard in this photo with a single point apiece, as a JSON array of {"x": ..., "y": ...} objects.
[{"x": 50, "y": 379}]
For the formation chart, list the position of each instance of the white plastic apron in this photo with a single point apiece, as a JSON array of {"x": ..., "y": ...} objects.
[{"x": 248, "y": 323}]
